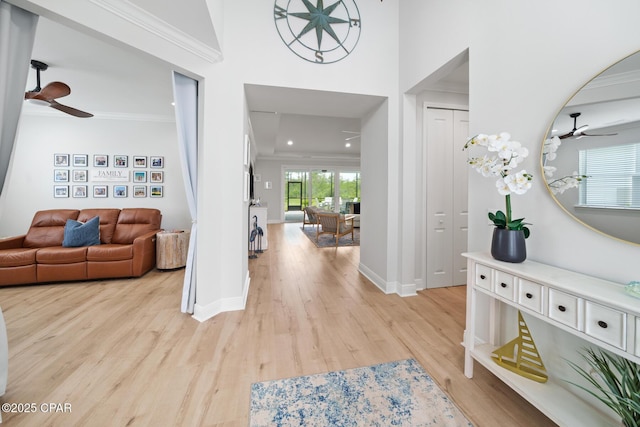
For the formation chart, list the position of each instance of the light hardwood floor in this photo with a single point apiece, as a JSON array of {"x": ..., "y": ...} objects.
[{"x": 121, "y": 353}]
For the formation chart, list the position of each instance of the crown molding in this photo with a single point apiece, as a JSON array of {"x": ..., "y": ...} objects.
[
  {"x": 628, "y": 77},
  {"x": 152, "y": 24}
]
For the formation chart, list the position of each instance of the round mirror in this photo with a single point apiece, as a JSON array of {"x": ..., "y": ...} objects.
[{"x": 591, "y": 153}]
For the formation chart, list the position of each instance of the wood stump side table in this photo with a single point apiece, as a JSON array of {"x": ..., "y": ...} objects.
[{"x": 171, "y": 249}]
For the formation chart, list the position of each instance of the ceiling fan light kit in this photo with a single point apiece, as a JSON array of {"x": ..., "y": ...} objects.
[{"x": 46, "y": 96}]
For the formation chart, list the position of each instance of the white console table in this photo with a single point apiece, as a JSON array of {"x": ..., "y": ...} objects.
[{"x": 595, "y": 310}]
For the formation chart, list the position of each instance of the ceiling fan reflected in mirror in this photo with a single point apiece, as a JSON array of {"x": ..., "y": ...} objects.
[
  {"x": 47, "y": 95},
  {"x": 579, "y": 132},
  {"x": 356, "y": 135}
]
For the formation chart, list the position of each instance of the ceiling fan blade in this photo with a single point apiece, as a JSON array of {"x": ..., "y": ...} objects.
[
  {"x": 54, "y": 90},
  {"x": 599, "y": 134},
  {"x": 69, "y": 110}
]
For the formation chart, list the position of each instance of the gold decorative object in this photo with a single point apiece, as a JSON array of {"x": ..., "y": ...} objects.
[{"x": 521, "y": 356}]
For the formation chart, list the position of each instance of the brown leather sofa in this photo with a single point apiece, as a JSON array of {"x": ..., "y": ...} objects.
[{"x": 127, "y": 247}]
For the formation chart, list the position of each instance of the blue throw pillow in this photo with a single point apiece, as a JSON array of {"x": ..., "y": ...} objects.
[{"x": 78, "y": 233}]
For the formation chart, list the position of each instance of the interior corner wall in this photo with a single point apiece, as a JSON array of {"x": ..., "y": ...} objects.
[
  {"x": 378, "y": 265},
  {"x": 520, "y": 77},
  {"x": 30, "y": 181},
  {"x": 255, "y": 54},
  {"x": 518, "y": 84}
]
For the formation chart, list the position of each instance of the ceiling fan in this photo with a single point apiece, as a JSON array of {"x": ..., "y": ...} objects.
[
  {"x": 47, "y": 95},
  {"x": 355, "y": 136},
  {"x": 579, "y": 132}
]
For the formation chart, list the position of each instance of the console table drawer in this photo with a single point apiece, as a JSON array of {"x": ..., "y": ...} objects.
[
  {"x": 505, "y": 285},
  {"x": 564, "y": 308},
  {"x": 606, "y": 324},
  {"x": 483, "y": 276},
  {"x": 530, "y": 295}
]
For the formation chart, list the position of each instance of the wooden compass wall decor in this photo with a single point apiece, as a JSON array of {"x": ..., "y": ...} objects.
[{"x": 316, "y": 33}]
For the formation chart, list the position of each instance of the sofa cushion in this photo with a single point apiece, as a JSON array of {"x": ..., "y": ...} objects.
[
  {"x": 17, "y": 257},
  {"x": 134, "y": 223},
  {"x": 110, "y": 252},
  {"x": 47, "y": 227},
  {"x": 78, "y": 233},
  {"x": 108, "y": 220},
  {"x": 60, "y": 255}
]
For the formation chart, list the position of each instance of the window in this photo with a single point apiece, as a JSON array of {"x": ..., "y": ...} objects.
[
  {"x": 349, "y": 190},
  {"x": 613, "y": 176}
]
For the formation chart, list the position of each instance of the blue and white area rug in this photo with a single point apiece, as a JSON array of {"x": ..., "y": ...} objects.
[{"x": 390, "y": 394}]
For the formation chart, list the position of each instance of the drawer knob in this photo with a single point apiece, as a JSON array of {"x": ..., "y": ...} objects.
[
  {"x": 528, "y": 295},
  {"x": 482, "y": 276},
  {"x": 562, "y": 308},
  {"x": 504, "y": 285},
  {"x": 602, "y": 324}
]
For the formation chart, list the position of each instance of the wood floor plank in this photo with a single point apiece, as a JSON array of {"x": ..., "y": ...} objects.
[{"x": 121, "y": 353}]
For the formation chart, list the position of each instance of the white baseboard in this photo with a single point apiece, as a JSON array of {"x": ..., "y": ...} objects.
[
  {"x": 202, "y": 313},
  {"x": 374, "y": 278},
  {"x": 406, "y": 290}
]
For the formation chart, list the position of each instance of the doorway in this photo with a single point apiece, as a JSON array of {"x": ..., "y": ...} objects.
[
  {"x": 294, "y": 196},
  {"x": 444, "y": 133}
]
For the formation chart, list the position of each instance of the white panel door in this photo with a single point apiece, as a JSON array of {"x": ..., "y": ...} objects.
[{"x": 446, "y": 174}]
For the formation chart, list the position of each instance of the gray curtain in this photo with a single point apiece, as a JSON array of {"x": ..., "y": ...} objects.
[
  {"x": 17, "y": 32},
  {"x": 185, "y": 96}
]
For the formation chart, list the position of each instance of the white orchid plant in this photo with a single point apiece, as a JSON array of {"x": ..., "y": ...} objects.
[
  {"x": 558, "y": 185},
  {"x": 507, "y": 157}
]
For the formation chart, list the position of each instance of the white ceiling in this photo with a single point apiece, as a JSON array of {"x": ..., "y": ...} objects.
[
  {"x": 317, "y": 122},
  {"x": 108, "y": 80},
  {"x": 104, "y": 79}
]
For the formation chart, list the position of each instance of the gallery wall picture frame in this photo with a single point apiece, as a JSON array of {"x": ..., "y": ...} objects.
[
  {"x": 120, "y": 161},
  {"x": 140, "y": 191},
  {"x": 79, "y": 175},
  {"x": 139, "y": 176},
  {"x": 61, "y": 160},
  {"x": 79, "y": 191},
  {"x": 156, "y": 176},
  {"x": 139, "y": 161},
  {"x": 156, "y": 162},
  {"x": 156, "y": 191},
  {"x": 61, "y": 175},
  {"x": 120, "y": 191},
  {"x": 60, "y": 191},
  {"x": 80, "y": 160},
  {"x": 100, "y": 160},
  {"x": 100, "y": 191}
]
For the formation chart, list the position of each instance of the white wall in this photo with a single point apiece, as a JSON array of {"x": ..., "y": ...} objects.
[
  {"x": 379, "y": 191},
  {"x": 518, "y": 84},
  {"x": 526, "y": 61},
  {"x": 255, "y": 54},
  {"x": 30, "y": 182}
]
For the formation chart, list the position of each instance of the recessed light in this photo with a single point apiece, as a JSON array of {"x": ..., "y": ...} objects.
[
  {"x": 348, "y": 144},
  {"x": 289, "y": 142}
]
